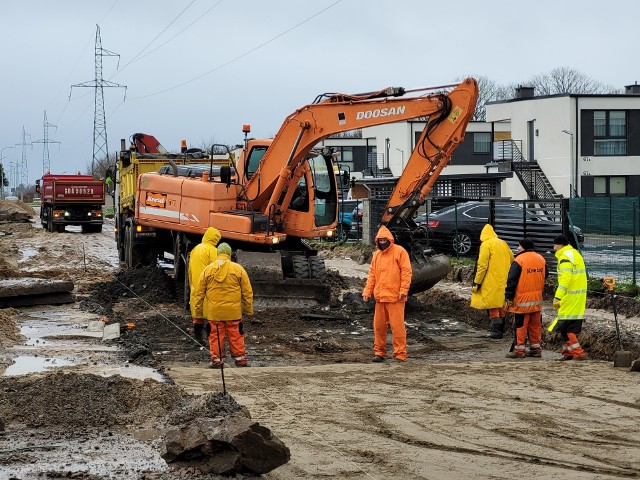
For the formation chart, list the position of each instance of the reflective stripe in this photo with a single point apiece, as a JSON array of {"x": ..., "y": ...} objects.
[
  {"x": 570, "y": 317},
  {"x": 561, "y": 287},
  {"x": 530, "y": 304},
  {"x": 576, "y": 292},
  {"x": 574, "y": 346},
  {"x": 566, "y": 270},
  {"x": 535, "y": 346},
  {"x": 237, "y": 359},
  {"x": 520, "y": 347},
  {"x": 581, "y": 271}
]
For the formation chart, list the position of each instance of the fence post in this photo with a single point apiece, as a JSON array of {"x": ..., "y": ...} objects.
[{"x": 635, "y": 219}]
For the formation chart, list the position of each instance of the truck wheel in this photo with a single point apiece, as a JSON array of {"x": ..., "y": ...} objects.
[
  {"x": 97, "y": 228},
  {"x": 186, "y": 292},
  {"x": 49, "y": 221},
  {"x": 300, "y": 266},
  {"x": 317, "y": 268},
  {"x": 128, "y": 247},
  {"x": 85, "y": 228},
  {"x": 178, "y": 266},
  {"x": 60, "y": 228}
]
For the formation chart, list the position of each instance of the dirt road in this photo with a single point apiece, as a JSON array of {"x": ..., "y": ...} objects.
[{"x": 458, "y": 408}]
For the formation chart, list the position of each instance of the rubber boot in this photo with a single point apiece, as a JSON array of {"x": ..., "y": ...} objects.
[{"x": 496, "y": 328}]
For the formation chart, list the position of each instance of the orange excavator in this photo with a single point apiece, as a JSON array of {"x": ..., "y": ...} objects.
[{"x": 275, "y": 194}]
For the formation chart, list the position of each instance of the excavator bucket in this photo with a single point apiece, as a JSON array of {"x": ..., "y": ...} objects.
[
  {"x": 271, "y": 289},
  {"x": 427, "y": 271}
]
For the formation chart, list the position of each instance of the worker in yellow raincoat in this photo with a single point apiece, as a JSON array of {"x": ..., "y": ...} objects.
[
  {"x": 202, "y": 255},
  {"x": 222, "y": 296},
  {"x": 492, "y": 269}
]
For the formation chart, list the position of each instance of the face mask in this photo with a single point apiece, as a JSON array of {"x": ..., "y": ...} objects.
[{"x": 383, "y": 246}]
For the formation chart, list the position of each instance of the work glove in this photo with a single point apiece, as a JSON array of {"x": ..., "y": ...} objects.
[
  {"x": 508, "y": 303},
  {"x": 475, "y": 287},
  {"x": 556, "y": 303},
  {"x": 198, "y": 329}
]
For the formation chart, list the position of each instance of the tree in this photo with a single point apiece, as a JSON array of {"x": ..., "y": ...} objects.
[
  {"x": 488, "y": 90},
  {"x": 568, "y": 80}
]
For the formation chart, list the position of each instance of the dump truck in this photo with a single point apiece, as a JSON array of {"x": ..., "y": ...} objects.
[
  {"x": 71, "y": 200},
  {"x": 278, "y": 193}
]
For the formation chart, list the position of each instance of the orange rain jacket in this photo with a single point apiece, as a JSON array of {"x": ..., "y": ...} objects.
[
  {"x": 390, "y": 272},
  {"x": 202, "y": 255},
  {"x": 224, "y": 291},
  {"x": 494, "y": 260}
]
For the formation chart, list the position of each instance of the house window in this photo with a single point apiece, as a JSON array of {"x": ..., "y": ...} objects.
[
  {"x": 482, "y": 142},
  {"x": 610, "y": 132},
  {"x": 609, "y": 186}
]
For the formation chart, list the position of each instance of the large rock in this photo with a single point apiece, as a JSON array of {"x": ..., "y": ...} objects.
[{"x": 225, "y": 446}]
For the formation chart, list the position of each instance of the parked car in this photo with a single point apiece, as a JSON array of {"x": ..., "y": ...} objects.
[
  {"x": 345, "y": 227},
  {"x": 461, "y": 235}
]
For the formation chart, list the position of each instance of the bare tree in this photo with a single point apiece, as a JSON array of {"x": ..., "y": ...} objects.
[
  {"x": 488, "y": 90},
  {"x": 357, "y": 133},
  {"x": 568, "y": 80}
]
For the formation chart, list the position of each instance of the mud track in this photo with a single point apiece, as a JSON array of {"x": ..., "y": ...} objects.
[{"x": 457, "y": 409}]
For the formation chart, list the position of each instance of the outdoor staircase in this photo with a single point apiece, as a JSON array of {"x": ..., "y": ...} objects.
[{"x": 530, "y": 174}]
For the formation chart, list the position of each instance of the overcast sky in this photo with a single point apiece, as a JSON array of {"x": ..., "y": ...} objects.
[{"x": 199, "y": 69}]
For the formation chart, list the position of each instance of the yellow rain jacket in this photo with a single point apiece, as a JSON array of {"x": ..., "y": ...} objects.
[
  {"x": 223, "y": 292},
  {"x": 390, "y": 272},
  {"x": 494, "y": 260},
  {"x": 572, "y": 284},
  {"x": 202, "y": 255}
]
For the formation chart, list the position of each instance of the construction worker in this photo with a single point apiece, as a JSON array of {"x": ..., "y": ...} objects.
[
  {"x": 570, "y": 298},
  {"x": 223, "y": 294},
  {"x": 490, "y": 280},
  {"x": 388, "y": 282},
  {"x": 523, "y": 297},
  {"x": 202, "y": 255}
]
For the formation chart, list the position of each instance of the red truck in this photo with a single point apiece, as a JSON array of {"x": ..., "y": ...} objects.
[{"x": 71, "y": 200}]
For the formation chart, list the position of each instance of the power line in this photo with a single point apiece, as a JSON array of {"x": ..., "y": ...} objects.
[{"x": 240, "y": 56}]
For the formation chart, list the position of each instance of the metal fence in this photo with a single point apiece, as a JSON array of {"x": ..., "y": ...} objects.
[{"x": 611, "y": 226}]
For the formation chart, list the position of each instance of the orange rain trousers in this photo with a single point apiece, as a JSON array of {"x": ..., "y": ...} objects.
[
  {"x": 496, "y": 312},
  {"x": 528, "y": 325},
  {"x": 236, "y": 341},
  {"x": 571, "y": 348},
  {"x": 389, "y": 315}
]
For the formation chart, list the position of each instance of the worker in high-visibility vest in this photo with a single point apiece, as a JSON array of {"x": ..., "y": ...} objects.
[{"x": 570, "y": 298}]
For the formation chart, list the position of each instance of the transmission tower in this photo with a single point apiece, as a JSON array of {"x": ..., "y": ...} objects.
[
  {"x": 100, "y": 148},
  {"x": 46, "y": 164},
  {"x": 22, "y": 169}
]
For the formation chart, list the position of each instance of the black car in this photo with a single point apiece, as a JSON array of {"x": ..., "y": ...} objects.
[{"x": 457, "y": 228}]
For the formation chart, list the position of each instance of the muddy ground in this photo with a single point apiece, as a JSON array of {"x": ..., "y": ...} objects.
[{"x": 84, "y": 408}]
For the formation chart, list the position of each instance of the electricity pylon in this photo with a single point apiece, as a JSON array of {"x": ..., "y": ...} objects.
[
  {"x": 46, "y": 163},
  {"x": 100, "y": 148}
]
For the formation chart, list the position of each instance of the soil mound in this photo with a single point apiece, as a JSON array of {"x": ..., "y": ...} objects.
[
  {"x": 9, "y": 331},
  {"x": 70, "y": 401},
  {"x": 15, "y": 211},
  {"x": 149, "y": 284}
]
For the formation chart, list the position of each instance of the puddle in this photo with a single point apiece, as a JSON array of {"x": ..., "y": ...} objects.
[
  {"x": 27, "y": 253},
  {"x": 30, "y": 364}
]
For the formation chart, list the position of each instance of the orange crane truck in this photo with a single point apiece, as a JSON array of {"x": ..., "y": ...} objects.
[{"x": 278, "y": 193}]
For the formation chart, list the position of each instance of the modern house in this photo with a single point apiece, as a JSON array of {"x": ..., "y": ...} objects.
[{"x": 551, "y": 146}]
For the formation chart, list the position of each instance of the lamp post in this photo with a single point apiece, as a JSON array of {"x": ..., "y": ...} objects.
[
  {"x": 4, "y": 174},
  {"x": 401, "y": 157},
  {"x": 573, "y": 191}
]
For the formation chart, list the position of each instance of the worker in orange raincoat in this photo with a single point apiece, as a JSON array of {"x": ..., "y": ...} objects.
[
  {"x": 523, "y": 297},
  {"x": 222, "y": 295},
  {"x": 388, "y": 282},
  {"x": 202, "y": 255},
  {"x": 492, "y": 268}
]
